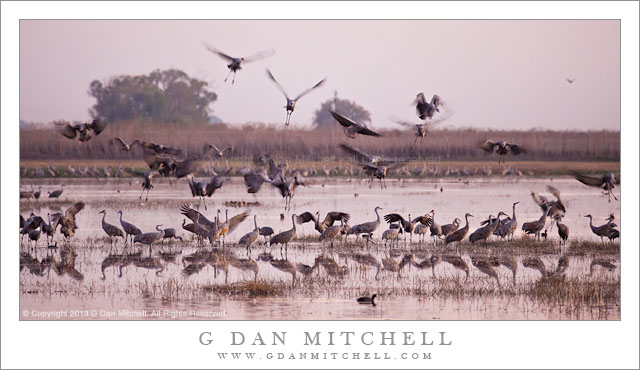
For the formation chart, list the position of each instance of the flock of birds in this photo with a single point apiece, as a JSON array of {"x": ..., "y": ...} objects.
[{"x": 171, "y": 163}]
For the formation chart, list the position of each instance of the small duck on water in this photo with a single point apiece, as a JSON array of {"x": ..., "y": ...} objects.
[{"x": 367, "y": 300}]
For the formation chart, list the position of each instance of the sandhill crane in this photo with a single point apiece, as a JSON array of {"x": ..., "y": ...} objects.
[
  {"x": 32, "y": 223},
  {"x": 230, "y": 224},
  {"x": 199, "y": 231},
  {"x": 484, "y": 232},
  {"x": 552, "y": 208},
  {"x": 449, "y": 228},
  {"x": 352, "y": 128},
  {"x": 287, "y": 186},
  {"x": 367, "y": 227},
  {"x": 26, "y": 194},
  {"x": 421, "y": 230},
  {"x": 408, "y": 225},
  {"x": 68, "y": 220},
  {"x": 390, "y": 235},
  {"x": 266, "y": 231},
  {"x": 84, "y": 131},
  {"x": 535, "y": 227},
  {"x": 291, "y": 103},
  {"x": 129, "y": 229},
  {"x": 603, "y": 230},
  {"x": 607, "y": 182},
  {"x": 328, "y": 221},
  {"x": 285, "y": 237},
  {"x": 436, "y": 229},
  {"x": 457, "y": 261},
  {"x": 149, "y": 238},
  {"x": 235, "y": 64},
  {"x": 52, "y": 171},
  {"x": 367, "y": 300},
  {"x": 373, "y": 166},
  {"x": 111, "y": 230},
  {"x": 123, "y": 145},
  {"x": 219, "y": 153},
  {"x": 502, "y": 148},
  {"x": 36, "y": 194},
  {"x": 146, "y": 185},
  {"x": 200, "y": 189},
  {"x": 570, "y": 80},
  {"x": 332, "y": 232},
  {"x": 34, "y": 235},
  {"x": 508, "y": 227},
  {"x": 170, "y": 233},
  {"x": 48, "y": 228},
  {"x": 252, "y": 236},
  {"x": 254, "y": 180},
  {"x": 459, "y": 234},
  {"x": 426, "y": 109},
  {"x": 56, "y": 193},
  {"x": 563, "y": 230},
  {"x": 421, "y": 129}
]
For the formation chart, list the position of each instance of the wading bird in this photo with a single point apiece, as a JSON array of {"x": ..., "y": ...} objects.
[
  {"x": 502, "y": 148},
  {"x": 291, "y": 103},
  {"x": 484, "y": 232},
  {"x": 328, "y": 221},
  {"x": 251, "y": 237},
  {"x": 607, "y": 182},
  {"x": 235, "y": 64},
  {"x": 603, "y": 230},
  {"x": 146, "y": 185},
  {"x": 449, "y": 228},
  {"x": 111, "y": 230},
  {"x": 129, "y": 229},
  {"x": 535, "y": 227},
  {"x": 56, "y": 193},
  {"x": 149, "y": 238},
  {"x": 459, "y": 234},
  {"x": 426, "y": 109},
  {"x": 84, "y": 131},
  {"x": 563, "y": 230},
  {"x": 352, "y": 128},
  {"x": 285, "y": 237},
  {"x": 367, "y": 227}
]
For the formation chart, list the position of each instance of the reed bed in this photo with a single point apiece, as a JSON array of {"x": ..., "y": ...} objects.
[{"x": 255, "y": 139}]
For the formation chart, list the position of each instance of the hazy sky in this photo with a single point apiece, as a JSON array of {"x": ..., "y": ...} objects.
[{"x": 497, "y": 74}]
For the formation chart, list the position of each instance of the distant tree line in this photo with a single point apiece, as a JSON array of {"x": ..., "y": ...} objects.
[{"x": 169, "y": 96}]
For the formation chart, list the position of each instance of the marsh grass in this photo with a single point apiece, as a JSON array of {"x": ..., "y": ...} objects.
[
  {"x": 249, "y": 289},
  {"x": 254, "y": 139}
]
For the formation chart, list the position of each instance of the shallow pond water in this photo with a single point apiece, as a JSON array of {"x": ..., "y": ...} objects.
[{"x": 188, "y": 281}]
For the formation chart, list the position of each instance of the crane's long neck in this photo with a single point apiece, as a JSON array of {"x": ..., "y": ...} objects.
[
  {"x": 159, "y": 229},
  {"x": 293, "y": 221},
  {"x": 103, "y": 217},
  {"x": 377, "y": 216},
  {"x": 120, "y": 217},
  {"x": 591, "y": 223},
  {"x": 255, "y": 222},
  {"x": 466, "y": 219},
  {"x": 514, "y": 213}
]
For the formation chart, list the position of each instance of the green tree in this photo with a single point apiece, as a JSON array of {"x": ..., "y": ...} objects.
[
  {"x": 165, "y": 96},
  {"x": 345, "y": 107}
]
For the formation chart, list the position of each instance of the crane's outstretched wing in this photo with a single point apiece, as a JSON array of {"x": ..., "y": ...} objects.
[
  {"x": 270, "y": 75},
  {"x": 344, "y": 121},
  {"x": 435, "y": 100},
  {"x": 516, "y": 149},
  {"x": 67, "y": 130},
  {"x": 360, "y": 156},
  {"x": 334, "y": 216},
  {"x": 213, "y": 184},
  {"x": 590, "y": 180},
  {"x": 305, "y": 217},
  {"x": 309, "y": 90},
  {"x": 259, "y": 55},
  {"x": 394, "y": 217},
  {"x": 487, "y": 146},
  {"x": 420, "y": 99},
  {"x": 218, "y": 52},
  {"x": 97, "y": 125}
]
